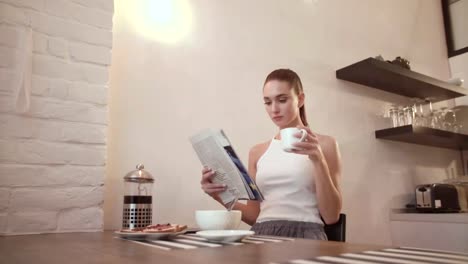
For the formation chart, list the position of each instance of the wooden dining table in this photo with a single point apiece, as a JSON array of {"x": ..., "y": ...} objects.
[{"x": 104, "y": 247}]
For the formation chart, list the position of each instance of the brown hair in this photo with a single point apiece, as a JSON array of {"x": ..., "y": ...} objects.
[{"x": 293, "y": 79}]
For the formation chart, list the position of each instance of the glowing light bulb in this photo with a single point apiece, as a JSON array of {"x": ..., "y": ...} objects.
[{"x": 167, "y": 21}]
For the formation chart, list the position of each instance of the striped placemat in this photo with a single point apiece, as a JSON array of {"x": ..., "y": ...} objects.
[
  {"x": 402, "y": 255},
  {"x": 193, "y": 241}
]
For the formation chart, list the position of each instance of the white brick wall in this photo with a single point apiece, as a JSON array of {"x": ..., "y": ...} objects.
[
  {"x": 19, "y": 175},
  {"x": 90, "y": 53},
  {"x": 9, "y": 36},
  {"x": 88, "y": 219},
  {"x": 7, "y": 57},
  {"x": 55, "y": 199},
  {"x": 32, "y": 222},
  {"x": 4, "y": 198},
  {"x": 3, "y": 222},
  {"x": 52, "y": 158}
]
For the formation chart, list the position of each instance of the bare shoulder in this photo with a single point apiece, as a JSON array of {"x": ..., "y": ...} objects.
[
  {"x": 329, "y": 147},
  {"x": 258, "y": 150},
  {"x": 332, "y": 154},
  {"x": 327, "y": 142},
  {"x": 254, "y": 155}
]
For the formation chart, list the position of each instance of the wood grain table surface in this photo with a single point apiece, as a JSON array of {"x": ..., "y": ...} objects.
[{"x": 103, "y": 247}]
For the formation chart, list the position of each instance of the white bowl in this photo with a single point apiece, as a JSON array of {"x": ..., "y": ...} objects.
[{"x": 218, "y": 219}]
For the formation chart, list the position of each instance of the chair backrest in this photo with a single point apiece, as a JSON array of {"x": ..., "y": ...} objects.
[{"x": 337, "y": 231}]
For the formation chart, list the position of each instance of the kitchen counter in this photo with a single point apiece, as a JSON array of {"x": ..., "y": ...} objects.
[
  {"x": 403, "y": 215},
  {"x": 440, "y": 231}
]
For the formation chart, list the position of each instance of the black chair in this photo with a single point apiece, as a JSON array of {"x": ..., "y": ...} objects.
[{"x": 337, "y": 231}]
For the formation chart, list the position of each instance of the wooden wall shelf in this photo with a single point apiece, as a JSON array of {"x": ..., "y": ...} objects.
[
  {"x": 395, "y": 79},
  {"x": 425, "y": 136}
]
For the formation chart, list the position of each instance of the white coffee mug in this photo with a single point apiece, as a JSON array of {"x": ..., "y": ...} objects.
[{"x": 288, "y": 137}]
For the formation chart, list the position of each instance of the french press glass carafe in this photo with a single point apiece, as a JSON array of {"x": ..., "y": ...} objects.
[{"x": 137, "y": 207}]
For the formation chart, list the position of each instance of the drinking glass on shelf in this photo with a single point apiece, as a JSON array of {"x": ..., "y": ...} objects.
[
  {"x": 393, "y": 113},
  {"x": 437, "y": 118},
  {"x": 456, "y": 126},
  {"x": 401, "y": 117},
  {"x": 451, "y": 120},
  {"x": 445, "y": 119},
  {"x": 418, "y": 112},
  {"x": 430, "y": 119},
  {"x": 409, "y": 115}
]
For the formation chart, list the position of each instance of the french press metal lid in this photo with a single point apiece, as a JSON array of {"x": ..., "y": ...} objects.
[{"x": 139, "y": 175}]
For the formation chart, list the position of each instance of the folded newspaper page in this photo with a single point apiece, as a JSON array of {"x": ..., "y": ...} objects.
[{"x": 215, "y": 151}]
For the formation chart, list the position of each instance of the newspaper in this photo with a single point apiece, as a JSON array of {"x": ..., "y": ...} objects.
[{"x": 215, "y": 151}]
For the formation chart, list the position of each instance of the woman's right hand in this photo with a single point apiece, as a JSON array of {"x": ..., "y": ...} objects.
[{"x": 210, "y": 188}]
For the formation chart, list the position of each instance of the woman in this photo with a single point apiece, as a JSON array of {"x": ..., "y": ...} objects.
[{"x": 300, "y": 188}]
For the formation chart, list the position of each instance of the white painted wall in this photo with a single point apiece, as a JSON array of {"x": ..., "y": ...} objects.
[
  {"x": 162, "y": 92},
  {"x": 459, "y": 19},
  {"x": 459, "y": 69},
  {"x": 52, "y": 158},
  {"x": 459, "y": 63}
]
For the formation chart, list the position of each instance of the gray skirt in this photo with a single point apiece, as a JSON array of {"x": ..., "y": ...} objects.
[{"x": 286, "y": 228}]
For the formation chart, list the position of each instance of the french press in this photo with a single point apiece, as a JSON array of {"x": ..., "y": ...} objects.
[{"x": 137, "y": 207}]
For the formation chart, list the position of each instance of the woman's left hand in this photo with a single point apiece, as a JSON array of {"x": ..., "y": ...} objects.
[{"x": 310, "y": 146}]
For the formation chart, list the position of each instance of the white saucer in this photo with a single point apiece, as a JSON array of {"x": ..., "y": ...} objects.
[
  {"x": 147, "y": 236},
  {"x": 131, "y": 235},
  {"x": 225, "y": 235}
]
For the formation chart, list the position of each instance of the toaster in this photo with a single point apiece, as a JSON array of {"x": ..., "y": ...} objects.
[{"x": 437, "y": 198}]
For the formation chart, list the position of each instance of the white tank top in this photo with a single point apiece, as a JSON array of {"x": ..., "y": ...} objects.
[{"x": 288, "y": 186}]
